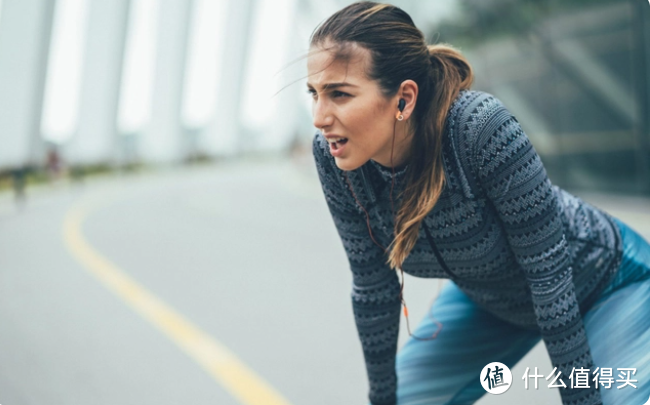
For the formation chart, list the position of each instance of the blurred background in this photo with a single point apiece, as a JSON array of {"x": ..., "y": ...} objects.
[
  {"x": 93, "y": 85},
  {"x": 169, "y": 142}
]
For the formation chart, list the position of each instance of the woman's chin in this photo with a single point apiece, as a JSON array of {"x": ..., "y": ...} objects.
[{"x": 347, "y": 164}]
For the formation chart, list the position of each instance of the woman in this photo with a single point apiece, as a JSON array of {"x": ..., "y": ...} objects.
[{"x": 423, "y": 175}]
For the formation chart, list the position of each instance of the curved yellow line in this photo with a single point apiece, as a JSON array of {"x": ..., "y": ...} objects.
[{"x": 240, "y": 381}]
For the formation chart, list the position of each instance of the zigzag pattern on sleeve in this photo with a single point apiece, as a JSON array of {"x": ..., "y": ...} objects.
[{"x": 523, "y": 249}]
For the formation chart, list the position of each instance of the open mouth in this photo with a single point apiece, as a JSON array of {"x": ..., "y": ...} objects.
[{"x": 338, "y": 143}]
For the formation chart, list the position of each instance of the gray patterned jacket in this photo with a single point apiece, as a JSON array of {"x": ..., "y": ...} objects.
[{"x": 523, "y": 249}]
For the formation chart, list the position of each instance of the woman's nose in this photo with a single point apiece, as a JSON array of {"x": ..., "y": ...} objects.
[{"x": 322, "y": 115}]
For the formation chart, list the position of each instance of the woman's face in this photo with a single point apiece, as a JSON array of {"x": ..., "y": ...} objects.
[{"x": 350, "y": 110}]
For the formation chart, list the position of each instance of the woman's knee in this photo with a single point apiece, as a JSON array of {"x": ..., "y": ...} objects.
[{"x": 448, "y": 366}]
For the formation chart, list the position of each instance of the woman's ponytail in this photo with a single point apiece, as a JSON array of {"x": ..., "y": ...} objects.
[
  {"x": 450, "y": 72},
  {"x": 449, "y": 60}
]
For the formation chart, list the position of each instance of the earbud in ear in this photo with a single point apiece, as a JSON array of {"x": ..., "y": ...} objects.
[{"x": 401, "y": 104}]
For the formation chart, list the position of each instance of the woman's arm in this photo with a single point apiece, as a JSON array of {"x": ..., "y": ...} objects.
[
  {"x": 375, "y": 287},
  {"x": 515, "y": 181}
]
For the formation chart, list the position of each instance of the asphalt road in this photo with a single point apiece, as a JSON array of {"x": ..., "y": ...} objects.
[{"x": 223, "y": 284}]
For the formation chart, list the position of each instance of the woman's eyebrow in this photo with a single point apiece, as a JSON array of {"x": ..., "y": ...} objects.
[{"x": 333, "y": 85}]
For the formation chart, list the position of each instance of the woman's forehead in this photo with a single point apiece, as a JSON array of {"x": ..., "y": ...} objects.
[{"x": 324, "y": 67}]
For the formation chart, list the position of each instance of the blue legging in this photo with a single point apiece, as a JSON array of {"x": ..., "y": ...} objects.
[{"x": 446, "y": 370}]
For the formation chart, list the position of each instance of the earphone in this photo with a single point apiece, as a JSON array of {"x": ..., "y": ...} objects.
[{"x": 400, "y": 107}]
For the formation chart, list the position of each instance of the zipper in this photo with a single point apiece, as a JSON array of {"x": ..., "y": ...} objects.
[{"x": 436, "y": 252}]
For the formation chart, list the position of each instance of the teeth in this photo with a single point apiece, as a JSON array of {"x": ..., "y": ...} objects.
[{"x": 333, "y": 140}]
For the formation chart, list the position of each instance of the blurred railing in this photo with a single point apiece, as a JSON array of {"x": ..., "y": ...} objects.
[{"x": 575, "y": 74}]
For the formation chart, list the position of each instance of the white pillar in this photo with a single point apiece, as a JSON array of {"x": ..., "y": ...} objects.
[
  {"x": 25, "y": 31},
  {"x": 96, "y": 138},
  {"x": 163, "y": 140},
  {"x": 222, "y": 137},
  {"x": 270, "y": 104}
]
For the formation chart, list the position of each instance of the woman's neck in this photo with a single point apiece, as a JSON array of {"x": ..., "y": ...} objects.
[{"x": 400, "y": 152}]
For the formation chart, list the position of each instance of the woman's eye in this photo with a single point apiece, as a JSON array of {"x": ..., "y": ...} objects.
[{"x": 333, "y": 94}]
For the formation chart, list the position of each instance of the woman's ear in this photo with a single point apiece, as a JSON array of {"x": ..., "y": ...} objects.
[{"x": 408, "y": 91}]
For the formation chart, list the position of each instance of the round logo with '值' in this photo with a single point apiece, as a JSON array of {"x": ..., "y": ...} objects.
[{"x": 496, "y": 378}]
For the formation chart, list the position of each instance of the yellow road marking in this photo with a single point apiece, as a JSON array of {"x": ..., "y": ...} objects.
[{"x": 240, "y": 381}]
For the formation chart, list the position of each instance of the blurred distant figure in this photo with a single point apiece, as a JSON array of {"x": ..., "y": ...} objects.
[
  {"x": 54, "y": 165},
  {"x": 18, "y": 177}
]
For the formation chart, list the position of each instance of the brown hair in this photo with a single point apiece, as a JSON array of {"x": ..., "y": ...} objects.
[{"x": 399, "y": 52}]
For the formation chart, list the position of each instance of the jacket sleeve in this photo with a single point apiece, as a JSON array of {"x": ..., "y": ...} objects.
[
  {"x": 515, "y": 181},
  {"x": 375, "y": 287}
]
